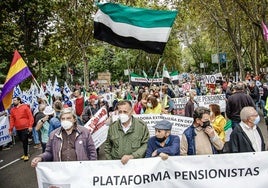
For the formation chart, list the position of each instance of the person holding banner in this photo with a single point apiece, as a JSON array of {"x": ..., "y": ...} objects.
[
  {"x": 163, "y": 144},
  {"x": 247, "y": 136},
  {"x": 127, "y": 137},
  {"x": 22, "y": 119},
  {"x": 200, "y": 138},
  {"x": 70, "y": 142}
]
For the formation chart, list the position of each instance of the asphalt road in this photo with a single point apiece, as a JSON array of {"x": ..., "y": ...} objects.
[{"x": 15, "y": 173}]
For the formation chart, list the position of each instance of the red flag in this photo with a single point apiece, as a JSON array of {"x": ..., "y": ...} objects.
[{"x": 265, "y": 31}]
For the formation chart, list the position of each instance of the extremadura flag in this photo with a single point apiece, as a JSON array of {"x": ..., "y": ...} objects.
[{"x": 135, "y": 28}]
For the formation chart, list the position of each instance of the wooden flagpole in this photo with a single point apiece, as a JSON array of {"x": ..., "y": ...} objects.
[{"x": 159, "y": 61}]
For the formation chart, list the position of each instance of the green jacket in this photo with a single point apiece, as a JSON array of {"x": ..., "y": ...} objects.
[{"x": 134, "y": 142}]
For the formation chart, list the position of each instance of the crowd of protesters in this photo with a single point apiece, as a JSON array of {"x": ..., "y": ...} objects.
[{"x": 128, "y": 137}]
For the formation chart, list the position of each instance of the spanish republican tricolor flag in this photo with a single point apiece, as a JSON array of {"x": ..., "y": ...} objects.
[
  {"x": 17, "y": 73},
  {"x": 135, "y": 28}
]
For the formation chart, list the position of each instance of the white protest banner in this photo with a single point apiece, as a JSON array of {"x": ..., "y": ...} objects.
[
  {"x": 222, "y": 170},
  {"x": 204, "y": 100},
  {"x": 109, "y": 97},
  {"x": 97, "y": 121},
  {"x": 209, "y": 79},
  {"x": 174, "y": 76},
  {"x": 180, "y": 123},
  {"x": 186, "y": 87},
  {"x": 4, "y": 132},
  {"x": 180, "y": 105},
  {"x": 141, "y": 79},
  {"x": 100, "y": 135},
  {"x": 218, "y": 75}
]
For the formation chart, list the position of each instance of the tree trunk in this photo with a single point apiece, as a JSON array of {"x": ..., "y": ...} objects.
[{"x": 85, "y": 61}]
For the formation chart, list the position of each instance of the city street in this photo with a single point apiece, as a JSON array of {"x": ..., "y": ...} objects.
[{"x": 15, "y": 173}]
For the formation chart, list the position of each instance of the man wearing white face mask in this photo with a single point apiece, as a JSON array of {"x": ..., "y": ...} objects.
[
  {"x": 70, "y": 142},
  {"x": 247, "y": 136},
  {"x": 127, "y": 137}
]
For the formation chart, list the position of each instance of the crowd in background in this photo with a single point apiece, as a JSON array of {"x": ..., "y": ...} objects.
[{"x": 156, "y": 99}]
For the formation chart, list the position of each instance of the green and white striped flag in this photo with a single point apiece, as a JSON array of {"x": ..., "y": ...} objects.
[
  {"x": 144, "y": 74},
  {"x": 135, "y": 28},
  {"x": 165, "y": 72}
]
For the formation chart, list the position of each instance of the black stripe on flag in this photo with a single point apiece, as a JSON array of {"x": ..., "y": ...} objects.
[{"x": 104, "y": 33}]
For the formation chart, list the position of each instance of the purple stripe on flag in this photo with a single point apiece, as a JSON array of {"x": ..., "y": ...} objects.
[
  {"x": 1, "y": 107},
  {"x": 15, "y": 80},
  {"x": 265, "y": 31}
]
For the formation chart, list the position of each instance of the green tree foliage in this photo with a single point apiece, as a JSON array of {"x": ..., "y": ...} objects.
[
  {"x": 55, "y": 35},
  {"x": 23, "y": 26},
  {"x": 231, "y": 26}
]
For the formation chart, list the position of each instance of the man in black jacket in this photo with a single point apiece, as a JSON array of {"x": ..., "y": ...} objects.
[
  {"x": 247, "y": 136},
  {"x": 236, "y": 102},
  {"x": 254, "y": 92}
]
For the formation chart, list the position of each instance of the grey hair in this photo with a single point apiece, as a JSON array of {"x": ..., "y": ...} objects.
[
  {"x": 67, "y": 111},
  {"x": 192, "y": 93},
  {"x": 246, "y": 112},
  {"x": 199, "y": 111},
  {"x": 240, "y": 86}
]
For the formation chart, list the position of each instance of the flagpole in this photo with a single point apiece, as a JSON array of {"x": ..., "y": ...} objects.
[
  {"x": 160, "y": 59},
  {"x": 40, "y": 88}
]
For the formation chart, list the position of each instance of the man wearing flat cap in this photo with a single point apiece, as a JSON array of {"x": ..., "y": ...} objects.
[{"x": 163, "y": 144}]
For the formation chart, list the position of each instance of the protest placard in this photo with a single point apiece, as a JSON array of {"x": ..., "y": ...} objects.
[
  {"x": 4, "y": 132},
  {"x": 225, "y": 170}
]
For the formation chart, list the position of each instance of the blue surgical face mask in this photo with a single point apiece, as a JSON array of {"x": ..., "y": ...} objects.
[{"x": 257, "y": 120}]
